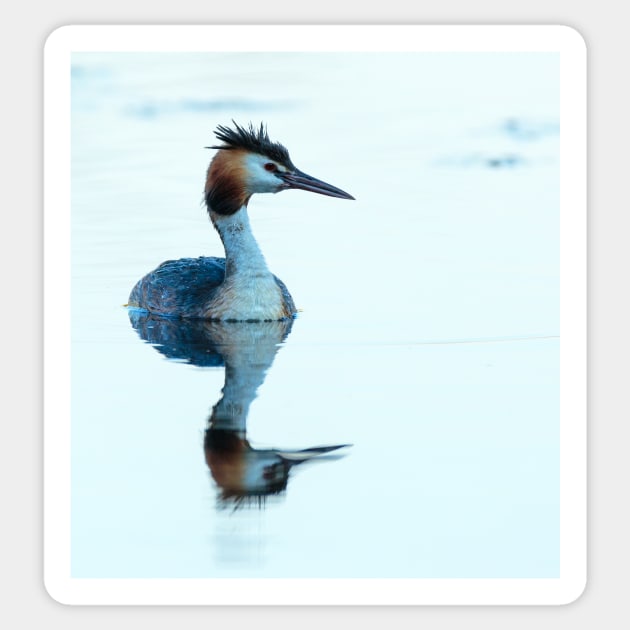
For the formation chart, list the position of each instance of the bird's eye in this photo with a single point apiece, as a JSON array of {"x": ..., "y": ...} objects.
[{"x": 271, "y": 167}]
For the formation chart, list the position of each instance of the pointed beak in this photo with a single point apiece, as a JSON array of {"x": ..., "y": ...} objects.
[{"x": 302, "y": 181}]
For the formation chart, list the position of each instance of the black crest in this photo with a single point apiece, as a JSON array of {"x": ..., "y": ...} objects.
[{"x": 254, "y": 140}]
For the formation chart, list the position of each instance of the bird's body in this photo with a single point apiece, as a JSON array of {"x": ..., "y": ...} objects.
[
  {"x": 189, "y": 287},
  {"x": 240, "y": 286}
]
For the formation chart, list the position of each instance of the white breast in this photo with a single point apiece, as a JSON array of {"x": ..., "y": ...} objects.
[
  {"x": 243, "y": 297},
  {"x": 249, "y": 290}
]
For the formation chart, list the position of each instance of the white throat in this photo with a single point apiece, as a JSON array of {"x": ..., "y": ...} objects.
[
  {"x": 249, "y": 290},
  {"x": 242, "y": 253}
]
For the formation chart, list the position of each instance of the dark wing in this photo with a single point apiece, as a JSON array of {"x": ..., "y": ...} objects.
[{"x": 179, "y": 288}]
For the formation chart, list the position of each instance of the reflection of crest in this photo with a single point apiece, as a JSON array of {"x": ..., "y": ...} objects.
[{"x": 244, "y": 474}]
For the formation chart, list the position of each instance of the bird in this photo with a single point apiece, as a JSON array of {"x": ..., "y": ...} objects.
[{"x": 239, "y": 287}]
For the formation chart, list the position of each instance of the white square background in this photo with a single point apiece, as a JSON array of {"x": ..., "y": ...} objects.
[{"x": 572, "y": 331}]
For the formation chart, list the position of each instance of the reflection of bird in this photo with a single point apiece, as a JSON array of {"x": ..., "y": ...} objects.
[
  {"x": 241, "y": 471},
  {"x": 238, "y": 287},
  {"x": 247, "y": 351}
]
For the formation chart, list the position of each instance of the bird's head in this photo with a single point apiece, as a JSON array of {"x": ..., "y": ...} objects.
[{"x": 248, "y": 162}]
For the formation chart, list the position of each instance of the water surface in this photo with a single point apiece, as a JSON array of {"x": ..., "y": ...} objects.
[{"x": 427, "y": 338}]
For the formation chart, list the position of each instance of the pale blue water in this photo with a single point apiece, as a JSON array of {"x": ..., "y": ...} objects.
[{"x": 428, "y": 336}]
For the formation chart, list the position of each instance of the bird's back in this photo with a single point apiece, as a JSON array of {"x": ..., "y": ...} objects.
[{"x": 179, "y": 288}]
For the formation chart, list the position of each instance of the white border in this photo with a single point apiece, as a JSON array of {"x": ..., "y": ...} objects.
[{"x": 59, "y": 46}]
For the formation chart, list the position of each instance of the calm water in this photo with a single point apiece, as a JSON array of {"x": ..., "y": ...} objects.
[{"x": 427, "y": 338}]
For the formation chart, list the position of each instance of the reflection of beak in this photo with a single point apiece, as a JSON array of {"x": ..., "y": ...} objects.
[{"x": 297, "y": 179}]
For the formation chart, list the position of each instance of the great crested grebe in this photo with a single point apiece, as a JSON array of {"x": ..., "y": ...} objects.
[{"x": 238, "y": 287}]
